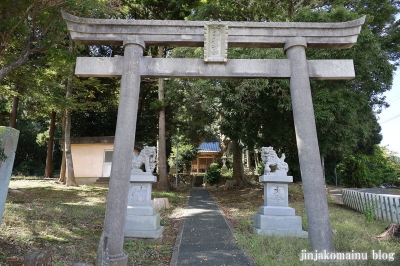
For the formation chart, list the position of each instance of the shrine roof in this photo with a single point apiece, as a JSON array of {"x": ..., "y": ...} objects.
[{"x": 209, "y": 147}]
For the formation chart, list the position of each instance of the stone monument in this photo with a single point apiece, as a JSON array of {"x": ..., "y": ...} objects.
[
  {"x": 8, "y": 146},
  {"x": 276, "y": 217},
  {"x": 142, "y": 219}
]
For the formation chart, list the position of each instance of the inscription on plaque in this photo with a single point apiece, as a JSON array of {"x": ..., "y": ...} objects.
[
  {"x": 215, "y": 42},
  {"x": 278, "y": 193},
  {"x": 139, "y": 194}
]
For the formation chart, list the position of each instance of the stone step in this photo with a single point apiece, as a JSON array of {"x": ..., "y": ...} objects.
[{"x": 102, "y": 180}]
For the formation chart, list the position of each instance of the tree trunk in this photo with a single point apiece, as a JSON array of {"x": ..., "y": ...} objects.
[
  {"x": 238, "y": 171},
  {"x": 391, "y": 229},
  {"x": 63, "y": 168},
  {"x": 256, "y": 160},
  {"x": 14, "y": 112},
  {"x": 162, "y": 152},
  {"x": 335, "y": 173},
  {"x": 48, "y": 173},
  {"x": 70, "y": 176},
  {"x": 63, "y": 164}
]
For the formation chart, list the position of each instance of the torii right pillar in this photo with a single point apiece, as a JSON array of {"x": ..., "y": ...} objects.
[{"x": 319, "y": 226}]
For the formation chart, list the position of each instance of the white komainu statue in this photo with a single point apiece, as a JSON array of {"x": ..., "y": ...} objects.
[
  {"x": 148, "y": 157},
  {"x": 270, "y": 158}
]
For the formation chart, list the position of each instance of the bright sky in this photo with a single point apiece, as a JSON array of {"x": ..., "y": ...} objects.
[{"x": 389, "y": 119}]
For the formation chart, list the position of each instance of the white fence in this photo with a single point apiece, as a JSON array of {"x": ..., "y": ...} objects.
[{"x": 386, "y": 207}]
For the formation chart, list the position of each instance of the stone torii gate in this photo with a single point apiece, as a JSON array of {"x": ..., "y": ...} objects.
[{"x": 294, "y": 38}]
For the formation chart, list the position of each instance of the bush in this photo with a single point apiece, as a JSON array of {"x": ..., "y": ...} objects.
[
  {"x": 360, "y": 170},
  {"x": 229, "y": 174},
  {"x": 213, "y": 174},
  {"x": 23, "y": 168},
  {"x": 260, "y": 168}
]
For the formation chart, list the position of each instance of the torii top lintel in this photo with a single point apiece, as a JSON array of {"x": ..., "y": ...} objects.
[{"x": 191, "y": 33}]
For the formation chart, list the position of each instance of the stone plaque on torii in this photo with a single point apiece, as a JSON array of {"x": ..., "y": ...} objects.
[{"x": 215, "y": 37}]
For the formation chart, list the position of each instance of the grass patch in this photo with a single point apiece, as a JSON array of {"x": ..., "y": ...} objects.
[
  {"x": 369, "y": 212},
  {"x": 42, "y": 214},
  {"x": 352, "y": 232},
  {"x": 394, "y": 190}
]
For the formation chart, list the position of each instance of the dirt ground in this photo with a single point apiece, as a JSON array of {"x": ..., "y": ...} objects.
[{"x": 37, "y": 219}]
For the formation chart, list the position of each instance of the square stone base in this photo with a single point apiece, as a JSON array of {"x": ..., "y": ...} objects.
[
  {"x": 141, "y": 210},
  {"x": 143, "y": 226},
  {"x": 284, "y": 225},
  {"x": 303, "y": 234},
  {"x": 277, "y": 222},
  {"x": 276, "y": 211},
  {"x": 118, "y": 262},
  {"x": 154, "y": 234}
]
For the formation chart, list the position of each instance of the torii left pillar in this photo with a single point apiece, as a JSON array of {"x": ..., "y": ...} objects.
[{"x": 111, "y": 245}]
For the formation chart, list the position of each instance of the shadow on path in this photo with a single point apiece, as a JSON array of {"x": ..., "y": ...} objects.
[{"x": 204, "y": 237}]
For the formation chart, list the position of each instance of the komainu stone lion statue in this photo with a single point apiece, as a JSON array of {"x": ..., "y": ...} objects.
[
  {"x": 146, "y": 157},
  {"x": 270, "y": 158}
]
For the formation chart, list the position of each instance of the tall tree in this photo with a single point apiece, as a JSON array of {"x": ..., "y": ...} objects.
[
  {"x": 48, "y": 173},
  {"x": 162, "y": 149},
  {"x": 14, "y": 112},
  {"x": 70, "y": 175}
]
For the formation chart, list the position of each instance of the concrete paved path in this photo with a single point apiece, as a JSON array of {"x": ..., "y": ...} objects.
[
  {"x": 205, "y": 237},
  {"x": 389, "y": 192},
  {"x": 336, "y": 193}
]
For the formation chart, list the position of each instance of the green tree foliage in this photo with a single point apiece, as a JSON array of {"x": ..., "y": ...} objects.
[
  {"x": 30, "y": 156},
  {"x": 213, "y": 174},
  {"x": 360, "y": 170},
  {"x": 258, "y": 112},
  {"x": 345, "y": 110},
  {"x": 192, "y": 109},
  {"x": 29, "y": 27},
  {"x": 394, "y": 161},
  {"x": 95, "y": 111},
  {"x": 148, "y": 103},
  {"x": 186, "y": 153},
  {"x": 36, "y": 33},
  {"x": 160, "y": 10},
  {"x": 156, "y": 9},
  {"x": 251, "y": 10},
  {"x": 252, "y": 113}
]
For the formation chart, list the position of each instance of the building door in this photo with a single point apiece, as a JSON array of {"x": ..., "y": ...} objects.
[{"x": 108, "y": 154}]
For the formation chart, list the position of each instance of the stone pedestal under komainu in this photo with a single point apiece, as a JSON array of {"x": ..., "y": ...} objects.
[
  {"x": 142, "y": 219},
  {"x": 276, "y": 217}
]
